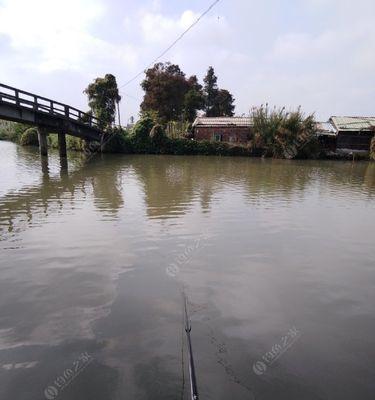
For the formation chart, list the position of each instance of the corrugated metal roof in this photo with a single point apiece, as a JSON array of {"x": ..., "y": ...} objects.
[
  {"x": 223, "y": 121},
  {"x": 326, "y": 128},
  {"x": 353, "y": 123}
]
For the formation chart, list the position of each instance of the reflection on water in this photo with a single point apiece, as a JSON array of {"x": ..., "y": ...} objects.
[{"x": 85, "y": 246}]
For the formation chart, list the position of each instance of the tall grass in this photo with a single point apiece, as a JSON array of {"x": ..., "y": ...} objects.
[{"x": 284, "y": 134}]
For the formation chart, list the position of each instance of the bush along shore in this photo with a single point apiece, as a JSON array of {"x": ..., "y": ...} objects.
[
  {"x": 277, "y": 134},
  {"x": 145, "y": 137}
]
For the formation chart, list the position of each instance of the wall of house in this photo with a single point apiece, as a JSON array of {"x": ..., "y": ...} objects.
[
  {"x": 328, "y": 142},
  {"x": 233, "y": 134},
  {"x": 354, "y": 140}
]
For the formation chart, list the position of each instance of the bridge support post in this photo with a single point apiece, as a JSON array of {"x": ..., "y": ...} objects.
[
  {"x": 62, "y": 145},
  {"x": 43, "y": 145}
]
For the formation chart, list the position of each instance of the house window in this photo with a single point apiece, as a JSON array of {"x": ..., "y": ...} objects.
[{"x": 218, "y": 137}]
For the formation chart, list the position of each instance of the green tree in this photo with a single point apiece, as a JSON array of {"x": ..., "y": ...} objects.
[
  {"x": 193, "y": 100},
  {"x": 210, "y": 92},
  {"x": 218, "y": 102},
  {"x": 165, "y": 88},
  {"x": 103, "y": 95},
  {"x": 223, "y": 104}
]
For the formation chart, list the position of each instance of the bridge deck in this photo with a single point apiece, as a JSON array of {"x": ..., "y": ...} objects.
[{"x": 28, "y": 108}]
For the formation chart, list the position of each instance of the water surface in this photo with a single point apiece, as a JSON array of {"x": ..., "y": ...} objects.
[{"x": 93, "y": 259}]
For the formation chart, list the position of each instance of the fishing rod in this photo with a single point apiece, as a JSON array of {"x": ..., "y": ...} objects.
[{"x": 193, "y": 379}]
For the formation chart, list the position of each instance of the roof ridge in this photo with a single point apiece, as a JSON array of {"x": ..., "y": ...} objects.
[{"x": 354, "y": 117}]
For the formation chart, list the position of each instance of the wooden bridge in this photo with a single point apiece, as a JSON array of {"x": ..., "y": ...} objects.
[{"x": 49, "y": 116}]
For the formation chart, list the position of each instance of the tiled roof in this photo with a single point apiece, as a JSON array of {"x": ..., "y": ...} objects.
[
  {"x": 353, "y": 123},
  {"x": 223, "y": 121}
]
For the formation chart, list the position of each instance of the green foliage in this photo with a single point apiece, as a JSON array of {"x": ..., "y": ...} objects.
[
  {"x": 174, "y": 97},
  {"x": 103, "y": 96},
  {"x": 210, "y": 91},
  {"x": 178, "y": 129},
  {"x": 223, "y": 106},
  {"x": 117, "y": 141},
  {"x": 170, "y": 94},
  {"x": 12, "y": 131},
  {"x": 193, "y": 99},
  {"x": 188, "y": 147},
  {"x": 218, "y": 102},
  {"x": 158, "y": 136},
  {"x": 284, "y": 134},
  {"x": 74, "y": 143},
  {"x": 149, "y": 138},
  {"x": 29, "y": 137},
  {"x": 164, "y": 87},
  {"x": 152, "y": 114},
  {"x": 140, "y": 135}
]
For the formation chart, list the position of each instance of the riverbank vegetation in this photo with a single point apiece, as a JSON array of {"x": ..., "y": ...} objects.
[
  {"x": 145, "y": 137},
  {"x": 170, "y": 104},
  {"x": 148, "y": 137},
  {"x": 284, "y": 134},
  {"x": 277, "y": 134}
]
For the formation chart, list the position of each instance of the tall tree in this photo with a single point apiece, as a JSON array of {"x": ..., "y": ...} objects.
[
  {"x": 103, "y": 96},
  {"x": 193, "y": 100},
  {"x": 223, "y": 104},
  {"x": 218, "y": 102},
  {"x": 165, "y": 88},
  {"x": 210, "y": 91}
]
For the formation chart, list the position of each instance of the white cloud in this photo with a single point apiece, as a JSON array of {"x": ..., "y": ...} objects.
[
  {"x": 55, "y": 35},
  {"x": 319, "y": 55},
  {"x": 157, "y": 28},
  {"x": 160, "y": 29}
]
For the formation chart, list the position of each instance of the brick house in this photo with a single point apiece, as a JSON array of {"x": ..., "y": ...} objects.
[{"x": 223, "y": 129}]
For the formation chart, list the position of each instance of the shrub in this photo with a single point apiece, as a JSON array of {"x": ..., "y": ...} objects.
[
  {"x": 284, "y": 134},
  {"x": 117, "y": 142},
  {"x": 158, "y": 136},
  {"x": 12, "y": 131},
  {"x": 140, "y": 135},
  {"x": 74, "y": 143},
  {"x": 29, "y": 137}
]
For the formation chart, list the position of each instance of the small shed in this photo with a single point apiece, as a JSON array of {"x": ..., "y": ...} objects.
[
  {"x": 353, "y": 133},
  {"x": 223, "y": 129}
]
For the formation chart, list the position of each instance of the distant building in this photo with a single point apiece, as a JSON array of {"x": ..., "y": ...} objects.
[
  {"x": 353, "y": 133},
  {"x": 223, "y": 129},
  {"x": 346, "y": 134}
]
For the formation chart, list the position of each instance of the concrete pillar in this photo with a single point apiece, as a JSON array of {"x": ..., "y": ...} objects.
[
  {"x": 62, "y": 145},
  {"x": 43, "y": 145},
  {"x": 45, "y": 169},
  {"x": 63, "y": 167}
]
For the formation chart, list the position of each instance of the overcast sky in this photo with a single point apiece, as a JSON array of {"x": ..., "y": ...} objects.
[{"x": 319, "y": 54}]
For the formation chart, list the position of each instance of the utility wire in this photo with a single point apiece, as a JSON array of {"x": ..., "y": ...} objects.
[
  {"x": 172, "y": 44},
  {"x": 130, "y": 96}
]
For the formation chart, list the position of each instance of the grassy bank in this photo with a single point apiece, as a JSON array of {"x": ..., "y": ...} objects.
[
  {"x": 144, "y": 138},
  {"x": 295, "y": 141}
]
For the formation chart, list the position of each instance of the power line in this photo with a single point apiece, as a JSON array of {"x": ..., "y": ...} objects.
[
  {"x": 172, "y": 44},
  {"x": 129, "y": 95}
]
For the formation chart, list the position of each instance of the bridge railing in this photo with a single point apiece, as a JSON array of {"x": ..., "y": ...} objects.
[{"x": 31, "y": 101}]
